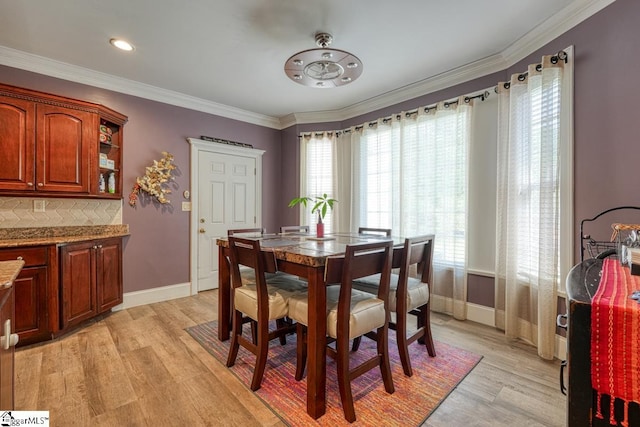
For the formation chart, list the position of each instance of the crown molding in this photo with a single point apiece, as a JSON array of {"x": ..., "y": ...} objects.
[
  {"x": 41, "y": 65},
  {"x": 549, "y": 30},
  {"x": 552, "y": 28}
]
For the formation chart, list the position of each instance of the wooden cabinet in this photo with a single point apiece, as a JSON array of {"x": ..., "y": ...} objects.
[
  {"x": 36, "y": 299},
  {"x": 7, "y": 349},
  {"x": 53, "y": 145},
  {"x": 17, "y": 143},
  {"x": 65, "y": 141},
  {"x": 90, "y": 278}
]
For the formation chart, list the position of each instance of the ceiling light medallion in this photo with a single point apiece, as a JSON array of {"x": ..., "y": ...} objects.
[
  {"x": 122, "y": 44},
  {"x": 323, "y": 67}
]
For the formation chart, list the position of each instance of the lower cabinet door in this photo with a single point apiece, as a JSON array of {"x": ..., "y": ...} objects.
[
  {"x": 109, "y": 274},
  {"x": 6, "y": 354},
  {"x": 78, "y": 281},
  {"x": 31, "y": 320}
]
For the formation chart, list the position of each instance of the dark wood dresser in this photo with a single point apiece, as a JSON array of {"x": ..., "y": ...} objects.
[{"x": 582, "y": 283}]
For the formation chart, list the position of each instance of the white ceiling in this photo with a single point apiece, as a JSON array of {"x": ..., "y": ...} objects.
[{"x": 227, "y": 57}]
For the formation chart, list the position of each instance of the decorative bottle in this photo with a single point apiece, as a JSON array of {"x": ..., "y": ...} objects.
[
  {"x": 101, "y": 186},
  {"x": 112, "y": 183}
]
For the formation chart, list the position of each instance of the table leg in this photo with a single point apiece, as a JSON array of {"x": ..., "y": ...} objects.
[
  {"x": 316, "y": 344},
  {"x": 224, "y": 295}
]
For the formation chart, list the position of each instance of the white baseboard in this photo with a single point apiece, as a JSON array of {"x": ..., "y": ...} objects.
[
  {"x": 150, "y": 296},
  {"x": 485, "y": 316},
  {"x": 481, "y": 314},
  {"x": 475, "y": 312}
]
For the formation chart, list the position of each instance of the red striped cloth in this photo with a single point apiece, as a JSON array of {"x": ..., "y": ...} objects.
[{"x": 615, "y": 338}]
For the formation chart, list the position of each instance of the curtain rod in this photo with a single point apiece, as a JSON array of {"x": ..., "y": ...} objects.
[
  {"x": 467, "y": 99},
  {"x": 560, "y": 56}
]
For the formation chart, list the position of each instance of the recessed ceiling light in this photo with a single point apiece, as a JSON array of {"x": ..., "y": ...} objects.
[{"x": 122, "y": 44}]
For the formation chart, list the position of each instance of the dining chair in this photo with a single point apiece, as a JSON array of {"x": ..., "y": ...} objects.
[
  {"x": 257, "y": 303},
  {"x": 294, "y": 229},
  {"x": 408, "y": 295},
  {"x": 379, "y": 231},
  {"x": 351, "y": 313}
]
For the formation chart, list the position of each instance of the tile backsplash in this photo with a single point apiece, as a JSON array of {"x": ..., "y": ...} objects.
[{"x": 19, "y": 212}]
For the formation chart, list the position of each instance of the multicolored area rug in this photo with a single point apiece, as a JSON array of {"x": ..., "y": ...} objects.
[{"x": 414, "y": 400}]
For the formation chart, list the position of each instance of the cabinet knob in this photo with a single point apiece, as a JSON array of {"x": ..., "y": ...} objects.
[
  {"x": 8, "y": 339},
  {"x": 99, "y": 246},
  {"x": 40, "y": 184},
  {"x": 30, "y": 184},
  {"x": 19, "y": 258},
  {"x": 202, "y": 231},
  {"x": 95, "y": 247}
]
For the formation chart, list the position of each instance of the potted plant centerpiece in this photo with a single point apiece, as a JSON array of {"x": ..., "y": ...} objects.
[{"x": 321, "y": 205}]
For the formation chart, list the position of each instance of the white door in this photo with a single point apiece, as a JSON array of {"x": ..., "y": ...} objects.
[{"x": 226, "y": 199}]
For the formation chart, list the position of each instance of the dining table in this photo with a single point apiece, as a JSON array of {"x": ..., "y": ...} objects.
[{"x": 303, "y": 255}]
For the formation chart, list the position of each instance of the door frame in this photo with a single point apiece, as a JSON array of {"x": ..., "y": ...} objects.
[{"x": 198, "y": 146}]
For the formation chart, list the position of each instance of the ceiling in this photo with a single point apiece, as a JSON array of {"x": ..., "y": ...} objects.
[{"x": 227, "y": 57}]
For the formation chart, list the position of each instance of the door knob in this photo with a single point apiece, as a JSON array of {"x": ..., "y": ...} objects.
[
  {"x": 202, "y": 231},
  {"x": 202, "y": 220}
]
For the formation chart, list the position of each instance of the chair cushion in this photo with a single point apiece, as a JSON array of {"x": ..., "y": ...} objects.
[
  {"x": 417, "y": 295},
  {"x": 367, "y": 311},
  {"x": 279, "y": 288}
]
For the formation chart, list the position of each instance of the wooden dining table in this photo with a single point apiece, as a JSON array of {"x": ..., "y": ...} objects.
[{"x": 302, "y": 255}]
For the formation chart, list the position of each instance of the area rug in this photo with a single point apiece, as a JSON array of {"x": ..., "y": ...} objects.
[{"x": 415, "y": 398}]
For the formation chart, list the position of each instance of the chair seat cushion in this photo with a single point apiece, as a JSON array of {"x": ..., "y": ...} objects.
[
  {"x": 279, "y": 288},
  {"x": 367, "y": 311},
  {"x": 417, "y": 295}
]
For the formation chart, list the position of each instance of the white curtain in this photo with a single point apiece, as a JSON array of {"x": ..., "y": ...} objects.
[
  {"x": 529, "y": 203},
  {"x": 411, "y": 175}
]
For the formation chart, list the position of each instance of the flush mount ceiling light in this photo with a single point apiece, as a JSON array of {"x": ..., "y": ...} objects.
[
  {"x": 121, "y": 44},
  {"x": 323, "y": 67}
]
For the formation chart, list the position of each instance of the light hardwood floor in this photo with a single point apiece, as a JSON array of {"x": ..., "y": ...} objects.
[{"x": 138, "y": 367}]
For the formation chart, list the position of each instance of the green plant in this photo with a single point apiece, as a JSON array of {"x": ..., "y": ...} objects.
[{"x": 321, "y": 204}]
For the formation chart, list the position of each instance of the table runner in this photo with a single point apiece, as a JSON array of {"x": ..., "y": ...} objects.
[{"x": 615, "y": 339}]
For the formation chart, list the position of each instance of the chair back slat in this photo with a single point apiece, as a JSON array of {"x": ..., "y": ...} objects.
[
  {"x": 377, "y": 231},
  {"x": 294, "y": 229},
  {"x": 233, "y": 232}
]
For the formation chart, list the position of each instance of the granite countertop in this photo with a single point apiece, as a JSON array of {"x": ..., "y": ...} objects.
[
  {"x": 40, "y": 236},
  {"x": 9, "y": 271}
]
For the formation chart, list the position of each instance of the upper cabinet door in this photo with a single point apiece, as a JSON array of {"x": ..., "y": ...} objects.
[
  {"x": 17, "y": 144},
  {"x": 65, "y": 144}
]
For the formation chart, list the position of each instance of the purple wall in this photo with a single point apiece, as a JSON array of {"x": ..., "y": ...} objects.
[
  {"x": 157, "y": 252},
  {"x": 606, "y": 150}
]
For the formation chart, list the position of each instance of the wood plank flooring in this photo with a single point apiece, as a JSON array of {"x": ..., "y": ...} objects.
[{"x": 138, "y": 367}]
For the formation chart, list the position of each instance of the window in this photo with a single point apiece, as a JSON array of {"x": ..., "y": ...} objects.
[{"x": 413, "y": 179}]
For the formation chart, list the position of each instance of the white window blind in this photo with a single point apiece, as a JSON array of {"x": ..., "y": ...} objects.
[
  {"x": 414, "y": 179},
  {"x": 318, "y": 152}
]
